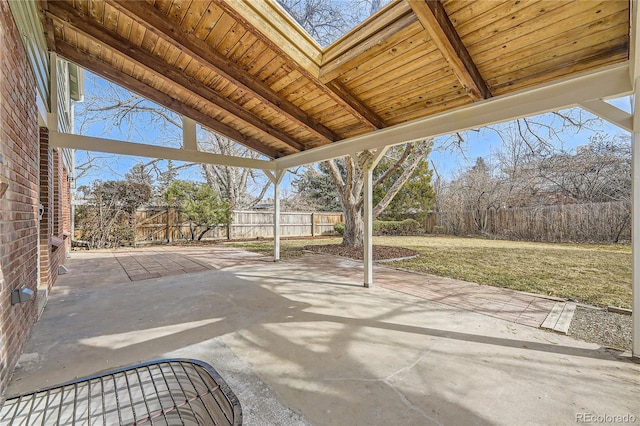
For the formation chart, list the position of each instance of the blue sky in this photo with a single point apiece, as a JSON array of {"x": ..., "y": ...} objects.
[{"x": 477, "y": 143}]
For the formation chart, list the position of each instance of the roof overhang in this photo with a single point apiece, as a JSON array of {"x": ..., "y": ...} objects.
[{"x": 414, "y": 70}]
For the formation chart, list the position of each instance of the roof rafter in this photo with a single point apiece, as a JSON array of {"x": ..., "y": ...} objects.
[
  {"x": 198, "y": 49},
  {"x": 357, "y": 104},
  {"x": 436, "y": 22},
  {"x": 228, "y": 7},
  {"x": 71, "y": 17},
  {"x": 130, "y": 83}
]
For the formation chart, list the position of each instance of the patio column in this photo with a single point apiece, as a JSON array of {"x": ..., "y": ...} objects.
[
  {"x": 276, "y": 178},
  {"x": 189, "y": 137},
  {"x": 368, "y": 161},
  {"x": 368, "y": 227},
  {"x": 635, "y": 200}
]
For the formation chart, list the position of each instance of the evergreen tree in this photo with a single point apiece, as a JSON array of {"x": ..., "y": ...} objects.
[{"x": 199, "y": 205}]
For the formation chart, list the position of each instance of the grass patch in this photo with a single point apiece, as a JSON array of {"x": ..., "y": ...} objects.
[{"x": 594, "y": 274}]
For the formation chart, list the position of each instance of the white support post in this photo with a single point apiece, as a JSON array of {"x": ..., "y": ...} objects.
[
  {"x": 367, "y": 169},
  {"x": 368, "y": 226},
  {"x": 189, "y": 139},
  {"x": 635, "y": 206},
  {"x": 276, "y": 220},
  {"x": 276, "y": 178}
]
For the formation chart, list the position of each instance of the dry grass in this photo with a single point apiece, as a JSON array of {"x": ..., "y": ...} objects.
[{"x": 594, "y": 274}]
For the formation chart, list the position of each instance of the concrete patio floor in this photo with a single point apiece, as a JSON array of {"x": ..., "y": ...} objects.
[{"x": 302, "y": 342}]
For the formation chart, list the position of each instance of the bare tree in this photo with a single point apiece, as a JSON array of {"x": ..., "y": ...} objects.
[
  {"x": 474, "y": 193},
  {"x": 348, "y": 177},
  {"x": 233, "y": 184},
  {"x": 112, "y": 108},
  {"x": 328, "y": 20}
]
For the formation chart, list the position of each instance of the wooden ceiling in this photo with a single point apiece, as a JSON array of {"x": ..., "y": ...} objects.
[{"x": 245, "y": 70}]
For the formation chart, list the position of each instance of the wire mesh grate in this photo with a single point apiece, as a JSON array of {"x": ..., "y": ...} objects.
[{"x": 165, "y": 392}]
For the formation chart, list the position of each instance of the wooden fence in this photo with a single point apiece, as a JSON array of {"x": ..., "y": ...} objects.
[
  {"x": 161, "y": 225},
  {"x": 591, "y": 222}
]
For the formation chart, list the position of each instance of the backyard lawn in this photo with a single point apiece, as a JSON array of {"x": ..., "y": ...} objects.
[{"x": 593, "y": 274}]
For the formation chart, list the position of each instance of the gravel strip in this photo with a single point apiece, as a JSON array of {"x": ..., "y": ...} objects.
[{"x": 599, "y": 326}]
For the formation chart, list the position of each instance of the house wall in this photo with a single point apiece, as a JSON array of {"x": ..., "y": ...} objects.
[
  {"x": 19, "y": 204},
  {"x": 55, "y": 225},
  {"x": 32, "y": 172}
]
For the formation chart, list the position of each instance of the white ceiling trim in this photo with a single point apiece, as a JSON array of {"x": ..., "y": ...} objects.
[
  {"x": 88, "y": 143},
  {"x": 610, "y": 113}
]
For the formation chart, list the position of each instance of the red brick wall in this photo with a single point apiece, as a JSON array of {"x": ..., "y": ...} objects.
[
  {"x": 65, "y": 201},
  {"x": 55, "y": 198},
  {"x": 46, "y": 199},
  {"x": 18, "y": 206}
]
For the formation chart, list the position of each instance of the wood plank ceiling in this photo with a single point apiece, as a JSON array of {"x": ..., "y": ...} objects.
[{"x": 245, "y": 70}]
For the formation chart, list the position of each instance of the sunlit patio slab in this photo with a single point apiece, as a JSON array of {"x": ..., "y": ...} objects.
[{"x": 302, "y": 345}]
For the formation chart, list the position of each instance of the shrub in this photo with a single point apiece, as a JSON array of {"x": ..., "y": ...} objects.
[
  {"x": 396, "y": 227},
  {"x": 339, "y": 228},
  {"x": 438, "y": 229}
]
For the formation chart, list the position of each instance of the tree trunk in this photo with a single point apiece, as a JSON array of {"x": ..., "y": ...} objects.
[
  {"x": 353, "y": 227},
  {"x": 350, "y": 185}
]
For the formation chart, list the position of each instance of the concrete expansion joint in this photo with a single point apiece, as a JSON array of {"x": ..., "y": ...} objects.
[{"x": 388, "y": 380}]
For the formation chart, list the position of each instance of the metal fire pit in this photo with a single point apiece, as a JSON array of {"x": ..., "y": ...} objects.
[{"x": 164, "y": 392}]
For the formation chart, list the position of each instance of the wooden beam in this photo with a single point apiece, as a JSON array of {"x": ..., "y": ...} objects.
[
  {"x": 229, "y": 8},
  {"x": 88, "y": 143},
  {"x": 282, "y": 29},
  {"x": 73, "y": 54},
  {"x": 47, "y": 24},
  {"x": 191, "y": 45},
  {"x": 357, "y": 104},
  {"x": 435, "y": 20},
  {"x": 73, "y": 18}
]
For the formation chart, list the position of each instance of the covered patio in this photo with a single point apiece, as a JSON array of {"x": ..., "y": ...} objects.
[
  {"x": 300, "y": 343},
  {"x": 305, "y": 346},
  {"x": 413, "y": 70}
]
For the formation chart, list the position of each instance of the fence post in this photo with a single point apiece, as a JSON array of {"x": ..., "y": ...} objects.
[
  {"x": 168, "y": 224},
  {"x": 135, "y": 229},
  {"x": 313, "y": 224}
]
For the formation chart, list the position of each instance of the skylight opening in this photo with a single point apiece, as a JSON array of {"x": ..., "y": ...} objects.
[{"x": 328, "y": 20}]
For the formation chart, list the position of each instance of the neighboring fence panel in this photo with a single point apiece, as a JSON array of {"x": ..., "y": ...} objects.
[
  {"x": 591, "y": 222},
  {"x": 159, "y": 225}
]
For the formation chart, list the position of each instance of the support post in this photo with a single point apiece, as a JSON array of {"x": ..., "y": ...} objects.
[
  {"x": 189, "y": 138},
  {"x": 368, "y": 226},
  {"x": 276, "y": 178},
  {"x": 368, "y": 161},
  {"x": 635, "y": 200},
  {"x": 276, "y": 220}
]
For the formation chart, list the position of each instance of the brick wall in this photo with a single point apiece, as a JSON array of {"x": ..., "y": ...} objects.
[
  {"x": 19, "y": 204},
  {"x": 55, "y": 225},
  {"x": 46, "y": 199}
]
